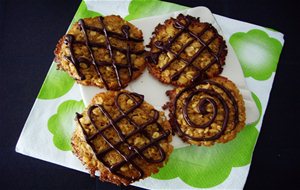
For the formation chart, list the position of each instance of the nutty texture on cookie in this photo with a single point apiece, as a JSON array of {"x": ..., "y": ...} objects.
[
  {"x": 185, "y": 50},
  {"x": 122, "y": 136},
  {"x": 208, "y": 112},
  {"x": 102, "y": 51}
]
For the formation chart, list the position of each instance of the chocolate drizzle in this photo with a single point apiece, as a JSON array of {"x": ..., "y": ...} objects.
[
  {"x": 184, "y": 28},
  {"x": 123, "y": 139},
  {"x": 211, "y": 97},
  {"x": 70, "y": 41}
]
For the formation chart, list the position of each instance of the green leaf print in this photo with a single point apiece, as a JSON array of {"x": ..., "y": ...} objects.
[
  {"x": 257, "y": 52},
  {"x": 83, "y": 12},
  {"x": 205, "y": 167},
  {"x": 146, "y": 8},
  {"x": 259, "y": 107},
  {"x": 61, "y": 124},
  {"x": 56, "y": 84}
]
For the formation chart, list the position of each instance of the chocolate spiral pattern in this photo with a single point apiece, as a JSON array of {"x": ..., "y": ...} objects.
[
  {"x": 209, "y": 96},
  {"x": 139, "y": 129},
  {"x": 70, "y": 41}
]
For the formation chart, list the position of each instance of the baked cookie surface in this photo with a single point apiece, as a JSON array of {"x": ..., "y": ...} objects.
[
  {"x": 211, "y": 111},
  {"x": 107, "y": 52},
  {"x": 122, "y": 136},
  {"x": 185, "y": 50}
]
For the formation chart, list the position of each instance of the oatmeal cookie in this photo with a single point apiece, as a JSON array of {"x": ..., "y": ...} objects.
[
  {"x": 122, "y": 136},
  {"x": 102, "y": 51},
  {"x": 208, "y": 112},
  {"x": 185, "y": 50}
]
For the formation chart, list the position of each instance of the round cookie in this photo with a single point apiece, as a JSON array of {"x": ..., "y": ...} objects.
[
  {"x": 211, "y": 111},
  {"x": 185, "y": 50},
  {"x": 102, "y": 51},
  {"x": 122, "y": 136}
]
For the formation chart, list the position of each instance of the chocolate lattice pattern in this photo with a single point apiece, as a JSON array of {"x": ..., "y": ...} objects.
[
  {"x": 184, "y": 28},
  {"x": 127, "y": 159},
  {"x": 70, "y": 41}
]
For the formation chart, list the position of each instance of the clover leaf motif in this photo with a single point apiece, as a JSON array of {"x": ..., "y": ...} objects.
[
  {"x": 146, "y": 8},
  {"x": 56, "y": 84},
  {"x": 61, "y": 124},
  {"x": 84, "y": 12},
  {"x": 257, "y": 52}
]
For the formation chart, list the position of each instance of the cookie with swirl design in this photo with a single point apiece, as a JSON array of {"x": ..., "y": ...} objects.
[
  {"x": 107, "y": 52},
  {"x": 208, "y": 112},
  {"x": 185, "y": 50},
  {"x": 122, "y": 137}
]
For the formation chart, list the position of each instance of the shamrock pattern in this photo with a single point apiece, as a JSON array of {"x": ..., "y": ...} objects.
[
  {"x": 61, "y": 124},
  {"x": 257, "y": 52}
]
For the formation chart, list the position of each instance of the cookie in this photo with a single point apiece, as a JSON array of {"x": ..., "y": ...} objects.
[
  {"x": 209, "y": 112},
  {"x": 102, "y": 51},
  {"x": 185, "y": 50},
  {"x": 122, "y": 136}
]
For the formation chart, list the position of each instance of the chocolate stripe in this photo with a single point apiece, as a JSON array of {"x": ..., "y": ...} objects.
[
  {"x": 103, "y": 45},
  {"x": 111, "y": 53},
  {"x": 114, "y": 34}
]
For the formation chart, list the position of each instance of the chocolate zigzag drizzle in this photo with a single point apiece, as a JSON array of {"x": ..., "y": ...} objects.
[
  {"x": 70, "y": 41},
  {"x": 139, "y": 129},
  {"x": 184, "y": 28},
  {"x": 211, "y": 97}
]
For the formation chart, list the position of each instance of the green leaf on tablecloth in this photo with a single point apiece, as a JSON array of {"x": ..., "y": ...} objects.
[
  {"x": 83, "y": 12},
  {"x": 259, "y": 107},
  {"x": 146, "y": 8},
  {"x": 56, "y": 84},
  {"x": 257, "y": 52},
  {"x": 205, "y": 167},
  {"x": 61, "y": 124}
]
